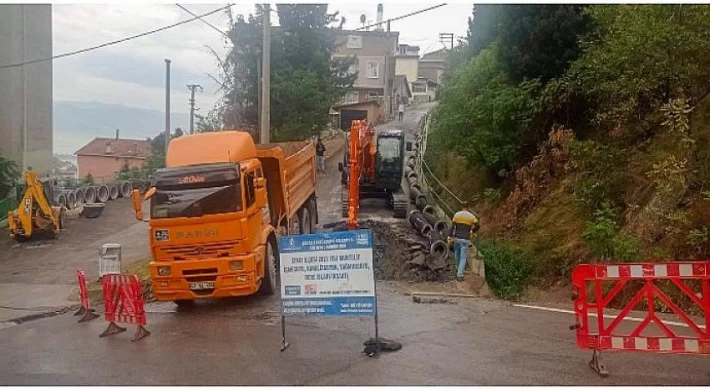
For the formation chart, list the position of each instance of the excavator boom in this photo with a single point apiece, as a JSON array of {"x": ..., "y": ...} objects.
[{"x": 33, "y": 211}]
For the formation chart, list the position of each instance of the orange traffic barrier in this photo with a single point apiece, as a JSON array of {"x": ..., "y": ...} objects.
[
  {"x": 643, "y": 278},
  {"x": 85, "y": 311},
  {"x": 123, "y": 302}
]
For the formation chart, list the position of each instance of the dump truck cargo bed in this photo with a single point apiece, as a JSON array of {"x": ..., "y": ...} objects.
[{"x": 290, "y": 172}]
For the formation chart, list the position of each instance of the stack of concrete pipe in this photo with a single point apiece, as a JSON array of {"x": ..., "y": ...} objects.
[
  {"x": 424, "y": 219},
  {"x": 95, "y": 196}
]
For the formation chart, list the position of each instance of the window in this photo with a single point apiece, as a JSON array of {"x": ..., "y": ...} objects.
[
  {"x": 354, "y": 42},
  {"x": 372, "y": 95},
  {"x": 418, "y": 88},
  {"x": 195, "y": 202},
  {"x": 350, "y": 98},
  {"x": 250, "y": 190},
  {"x": 373, "y": 70},
  {"x": 354, "y": 67}
]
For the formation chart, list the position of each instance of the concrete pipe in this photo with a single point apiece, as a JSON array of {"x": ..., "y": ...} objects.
[
  {"x": 61, "y": 200},
  {"x": 442, "y": 228},
  {"x": 430, "y": 214},
  {"x": 418, "y": 198},
  {"x": 411, "y": 165},
  {"x": 417, "y": 186},
  {"x": 439, "y": 249},
  {"x": 416, "y": 218},
  {"x": 92, "y": 210},
  {"x": 89, "y": 194},
  {"x": 125, "y": 189},
  {"x": 407, "y": 171},
  {"x": 412, "y": 173},
  {"x": 79, "y": 194},
  {"x": 102, "y": 193},
  {"x": 113, "y": 191},
  {"x": 71, "y": 199}
]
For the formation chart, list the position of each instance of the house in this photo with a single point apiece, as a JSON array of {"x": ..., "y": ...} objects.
[
  {"x": 433, "y": 65},
  {"x": 401, "y": 91},
  {"x": 104, "y": 157},
  {"x": 374, "y": 53},
  {"x": 407, "y": 62},
  {"x": 368, "y": 109},
  {"x": 424, "y": 90}
]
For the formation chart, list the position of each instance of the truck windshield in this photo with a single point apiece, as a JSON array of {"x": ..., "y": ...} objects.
[
  {"x": 196, "y": 202},
  {"x": 388, "y": 149}
]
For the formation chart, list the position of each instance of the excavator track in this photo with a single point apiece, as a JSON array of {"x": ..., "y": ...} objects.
[{"x": 400, "y": 204}]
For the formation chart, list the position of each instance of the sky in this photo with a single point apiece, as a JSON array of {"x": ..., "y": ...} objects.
[{"x": 133, "y": 73}]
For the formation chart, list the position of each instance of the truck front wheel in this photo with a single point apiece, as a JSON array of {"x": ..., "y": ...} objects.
[{"x": 268, "y": 283}]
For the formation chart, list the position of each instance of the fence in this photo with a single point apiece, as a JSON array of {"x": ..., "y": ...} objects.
[{"x": 589, "y": 282}]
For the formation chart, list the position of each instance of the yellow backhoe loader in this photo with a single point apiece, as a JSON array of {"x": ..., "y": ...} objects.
[{"x": 34, "y": 212}]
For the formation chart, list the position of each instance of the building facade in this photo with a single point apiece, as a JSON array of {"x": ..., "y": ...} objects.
[
  {"x": 407, "y": 62},
  {"x": 374, "y": 53},
  {"x": 433, "y": 65},
  {"x": 102, "y": 158},
  {"x": 26, "y": 98}
]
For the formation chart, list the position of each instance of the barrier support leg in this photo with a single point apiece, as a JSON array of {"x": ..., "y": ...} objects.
[
  {"x": 112, "y": 329},
  {"x": 598, "y": 365},
  {"x": 141, "y": 332},
  {"x": 88, "y": 315},
  {"x": 81, "y": 311}
]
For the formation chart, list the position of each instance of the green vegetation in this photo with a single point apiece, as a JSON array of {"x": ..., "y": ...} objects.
[
  {"x": 9, "y": 173},
  {"x": 508, "y": 268},
  {"x": 305, "y": 80},
  {"x": 627, "y": 179}
]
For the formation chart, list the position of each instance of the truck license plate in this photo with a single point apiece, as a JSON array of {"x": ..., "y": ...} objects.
[{"x": 201, "y": 285}]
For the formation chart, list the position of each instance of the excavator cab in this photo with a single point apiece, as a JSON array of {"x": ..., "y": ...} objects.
[{"x": 389, "y": 160}]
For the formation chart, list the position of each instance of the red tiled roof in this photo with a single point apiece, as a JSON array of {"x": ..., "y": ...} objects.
[{"x": 139, "y": 148}]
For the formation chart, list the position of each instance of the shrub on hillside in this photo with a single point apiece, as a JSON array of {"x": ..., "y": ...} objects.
[{"x": 508, "y": 268}]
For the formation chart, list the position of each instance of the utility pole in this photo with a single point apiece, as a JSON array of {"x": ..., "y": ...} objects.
[
  {"x": 265, "y": 124},
  {"x": 387, "y": 91},
  {"x": 167, "y": 107},
  {"x": 445, "y": 38},
  {"x": 192, "y": 88}
]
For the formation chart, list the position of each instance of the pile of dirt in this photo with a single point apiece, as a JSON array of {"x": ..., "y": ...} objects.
[{"x": 392, "y": 243}]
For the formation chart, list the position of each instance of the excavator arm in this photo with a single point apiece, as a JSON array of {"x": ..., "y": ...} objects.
[{"x": 362, "y": 152}]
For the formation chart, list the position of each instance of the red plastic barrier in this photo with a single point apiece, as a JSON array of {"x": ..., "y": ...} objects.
[
  {"x": 123, "y": 302},
  {"x": 610, "y": 337},
  {"x": 85, "y": 311}
]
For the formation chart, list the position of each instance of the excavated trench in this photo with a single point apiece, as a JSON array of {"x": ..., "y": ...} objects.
[{"x": 396, "y": 256}]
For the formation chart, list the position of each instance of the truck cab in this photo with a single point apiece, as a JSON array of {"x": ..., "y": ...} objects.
[{"x": 216, "y": 210}]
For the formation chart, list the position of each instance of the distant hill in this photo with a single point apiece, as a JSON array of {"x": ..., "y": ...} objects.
[{"x": 76, "y": 123}]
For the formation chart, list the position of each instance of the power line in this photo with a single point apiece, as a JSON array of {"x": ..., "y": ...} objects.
[
  {"x": 114, "y": 42},
  {"x": 401, "y": 17},
  {"x": 202, "y": 20}
]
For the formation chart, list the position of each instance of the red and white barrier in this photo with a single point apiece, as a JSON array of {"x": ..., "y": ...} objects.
[
  {"x": 593, "y": 304},
  {"x": 85, "y": 311},
  {"x": 123, "y": 302}
]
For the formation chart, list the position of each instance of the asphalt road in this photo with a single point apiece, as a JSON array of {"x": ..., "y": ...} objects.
[{"x": 237, "y": 342}]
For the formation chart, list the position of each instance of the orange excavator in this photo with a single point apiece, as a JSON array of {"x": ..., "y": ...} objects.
[{"x": 372, "y": 168}]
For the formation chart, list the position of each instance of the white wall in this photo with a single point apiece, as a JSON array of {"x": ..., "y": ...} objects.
[{"x": 26, "y": 91}]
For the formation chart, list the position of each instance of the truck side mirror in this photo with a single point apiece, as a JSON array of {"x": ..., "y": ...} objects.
[
  {"x": 137, "y": 204},
  {"x": 340, "y": 167},
  {"x": 409, "y": 146}
]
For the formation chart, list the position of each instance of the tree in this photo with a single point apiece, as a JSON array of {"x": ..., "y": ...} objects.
[
  {"x": 9, "y": 173},
  {"x": 157, "y": 148},
  {"x": 540, "y": 41},
  {"x": 305, "y": 80},
  {"x": 208, "y": 123}
]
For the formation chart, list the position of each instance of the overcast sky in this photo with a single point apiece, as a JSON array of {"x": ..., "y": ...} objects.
[{"x": 133, "y": 73}]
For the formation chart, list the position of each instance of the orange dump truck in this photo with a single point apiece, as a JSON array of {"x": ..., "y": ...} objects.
[{"x": 216, "y": 211}]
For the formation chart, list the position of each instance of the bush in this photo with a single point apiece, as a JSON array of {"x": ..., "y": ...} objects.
[
  {"x": 492, "y": 195},
  {"x": 605, "y": 242},
  {"x": 508, "y": 268}
]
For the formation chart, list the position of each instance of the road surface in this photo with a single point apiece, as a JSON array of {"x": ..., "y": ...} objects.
[{"x": 237, "y": 342}]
